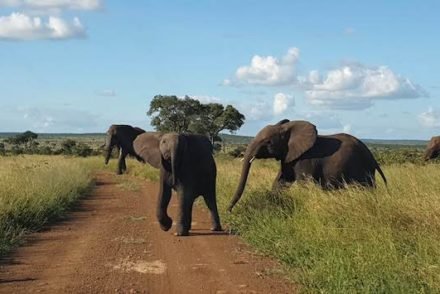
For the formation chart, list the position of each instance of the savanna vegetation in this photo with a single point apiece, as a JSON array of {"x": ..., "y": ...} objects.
[
  {"x": 37, "y": 189},
  {"x": 344, "y": 241},
  {"x": 355, "y": 240}
]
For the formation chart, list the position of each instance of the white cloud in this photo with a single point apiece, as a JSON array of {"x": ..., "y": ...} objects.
[
  {"x": 267, "y": 70},
  {"x": 18, "y": 26},
  {"x": 207, "y": 99},
  {"x": 107, "y": 93},
  {"x": 58, "y": 119},
  {"x": 282, "y": 102},
  {"x": 430, "y": 118},
  {"x": 356, "y": 86},
  {"x": 53, "y": 4},
  {"x": 347, "y": 128}
]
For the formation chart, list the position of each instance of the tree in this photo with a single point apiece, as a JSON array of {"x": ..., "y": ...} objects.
[
  {"x": 215, "y": 118},
  {"x": 171, "y": 114},
  {"x": 25, "y": 138}
]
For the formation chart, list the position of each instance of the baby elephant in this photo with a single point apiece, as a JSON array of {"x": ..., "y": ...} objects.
[{"x": 188, "y": 167}]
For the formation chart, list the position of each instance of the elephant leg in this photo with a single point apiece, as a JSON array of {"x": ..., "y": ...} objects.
[
  {"x": 123, "y": 165},
  {"x": 121, "y": 162},
  {"x": 210, "y": 200},
  {"x": 185, "y": 218},
  {"x": 163, "y": 200},
  {"x": 283, "y": 179}
]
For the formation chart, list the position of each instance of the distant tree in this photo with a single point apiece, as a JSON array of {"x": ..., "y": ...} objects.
[
  {"x": 214, "y": 118},
  {"x": 171, "y": 114},
  {"x": 22, "y": 139}
]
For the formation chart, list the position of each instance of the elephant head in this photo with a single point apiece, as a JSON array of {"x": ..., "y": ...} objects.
[
  {"x": 172, "y": 147},
  {"x": 285, "y": 141},
  {"x": 120, "y": 136},
  {"x": 110, "y": 142}
]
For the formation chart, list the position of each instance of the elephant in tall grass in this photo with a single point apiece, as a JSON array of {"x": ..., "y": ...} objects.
[
  {"x": 332, "y": 161},
  {"x": 121, "y": 137},
  {"x": 187, "y": 166},
  {"x": 433, "y": 148}
]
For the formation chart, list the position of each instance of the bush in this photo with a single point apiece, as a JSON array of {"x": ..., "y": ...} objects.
[{"x": 238, "y": 151}]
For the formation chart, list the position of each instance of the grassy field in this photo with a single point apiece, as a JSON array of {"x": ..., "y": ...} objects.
[
  {"x": 347, "y": 241},
  {"x": 37, "y": 189}
]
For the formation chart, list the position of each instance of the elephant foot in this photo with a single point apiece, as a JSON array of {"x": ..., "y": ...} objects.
[
  {"x": 166, "y": 223},
  {"x": 182, "y": 233},
  {"x": 217, "y": 228}
]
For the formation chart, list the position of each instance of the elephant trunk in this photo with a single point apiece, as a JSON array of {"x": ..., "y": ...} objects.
[
  {"x": 108, "y": 148},
  {"x": 247, "y": 161}
]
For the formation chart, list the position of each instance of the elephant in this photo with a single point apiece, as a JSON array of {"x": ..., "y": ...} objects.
[
  {"x": 433, "y": 148},
  {"x": 188, "y": 167},
  {"x": 122, "y": 137},
  {"x": 332, "y": 160},
  {"x": 146, "y": 148}
]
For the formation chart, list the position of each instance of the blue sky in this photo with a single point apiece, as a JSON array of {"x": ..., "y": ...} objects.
[{"x": 369, "y": 68}]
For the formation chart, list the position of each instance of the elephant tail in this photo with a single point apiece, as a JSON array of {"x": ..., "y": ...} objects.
[{"x": 381, "y": 174}]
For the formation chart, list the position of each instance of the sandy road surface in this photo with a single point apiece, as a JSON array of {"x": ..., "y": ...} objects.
[{"x": 111, "y": 243}]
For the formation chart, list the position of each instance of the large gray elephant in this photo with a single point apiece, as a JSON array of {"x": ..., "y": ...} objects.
[
  {"x": 146, "y": 148},
  {"x": 188, "y": 167},
  {"x": 121, "y": 137},
  {"x": 330, "y": 160},
  {"x": 433, "y": 148}
]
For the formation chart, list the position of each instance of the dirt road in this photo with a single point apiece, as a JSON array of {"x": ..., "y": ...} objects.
[{"x": 111, "y": 243}]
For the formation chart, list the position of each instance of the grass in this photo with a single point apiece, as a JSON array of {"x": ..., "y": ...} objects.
[
  {"x": 35, "y": 190},
  {"x": 352, "y": 240},
  {"x": 355, "y": 240}
]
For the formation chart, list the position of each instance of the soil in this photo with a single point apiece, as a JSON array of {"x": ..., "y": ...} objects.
[{"x": 111, "y": 243}]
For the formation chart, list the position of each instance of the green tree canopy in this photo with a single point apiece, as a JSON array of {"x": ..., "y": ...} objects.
[
  {"x": 171, "y": 114},
  {"x": 23, "y": 138}
]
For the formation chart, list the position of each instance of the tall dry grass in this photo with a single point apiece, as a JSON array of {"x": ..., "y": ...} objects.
[
  {"x": 36, "y": 189},
  {"x": 355, "y": 240},
  {"x": 344, "y": 241}
]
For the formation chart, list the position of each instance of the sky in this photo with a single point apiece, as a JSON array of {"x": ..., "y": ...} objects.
[{"x": 368, "y": 68}]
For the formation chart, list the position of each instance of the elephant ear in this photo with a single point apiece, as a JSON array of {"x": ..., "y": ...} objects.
[
  {"x": 301, "y": 137},
  {"x": 146, "y": 147}
]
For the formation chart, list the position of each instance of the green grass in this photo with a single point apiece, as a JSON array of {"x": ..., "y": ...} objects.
[
  {"x": 354, "y": 240},
  {"x": 35, "y": 190}
]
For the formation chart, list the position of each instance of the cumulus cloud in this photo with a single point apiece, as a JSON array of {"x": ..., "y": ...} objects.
[
  {"x": 53, "y": 4},
  {"x": 355, "y": 86},
  {"x": 282, "y": 102},
  {"x": 19, "y": 26},
  {"x": 430, "y": 118},
  {"x": 267, "y": 70}
]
